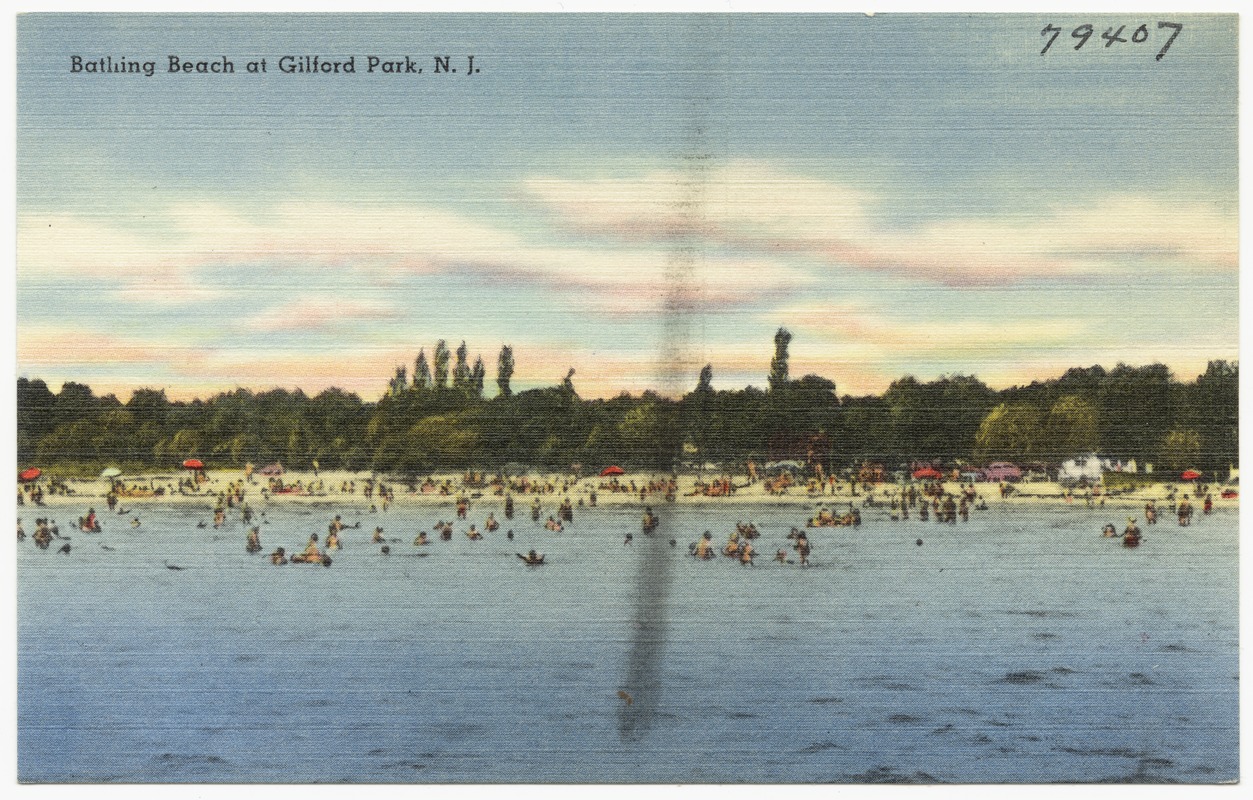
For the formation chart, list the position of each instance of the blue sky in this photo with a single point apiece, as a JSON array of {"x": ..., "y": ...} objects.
[{"x": 633, "y": 196}]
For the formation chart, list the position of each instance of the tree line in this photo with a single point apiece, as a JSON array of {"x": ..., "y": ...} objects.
[{"x": 440, "y": 419}]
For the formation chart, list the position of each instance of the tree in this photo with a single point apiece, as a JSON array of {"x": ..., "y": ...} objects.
[
  {"x": 1009, "y": 432},
  {"x": 442, "y": 357},
  {"x": 1181, "y": 449},
  {"x": 1211, "y": 406},
  {"x": 1135, "y": 410},
  {"x": 149, "y": 405},
  {"x": 504, "y": 370},
  {"x": 34, "y": 416},
  {"x": 778, "y": 365},
  {"x": 695, "y": 411},
  {"x": 476, "y": 377},
  {"x": 396, "y": 387},
  {"x": 704, "y": 384},
  {"x": 461, "y": 373},
  {"x": 567, "y": 384},
  {"x": 421, "y": 372},
  {"x": 1071, "y": 428}
]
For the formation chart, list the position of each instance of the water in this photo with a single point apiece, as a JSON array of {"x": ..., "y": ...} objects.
[{"x": 1019, "y": 647}]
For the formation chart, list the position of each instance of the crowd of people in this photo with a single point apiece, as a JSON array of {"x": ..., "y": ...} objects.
[{"x": 943, "y": 502}]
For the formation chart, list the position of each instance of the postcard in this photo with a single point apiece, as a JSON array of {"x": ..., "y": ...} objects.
[{"x": 627, "y": 398}]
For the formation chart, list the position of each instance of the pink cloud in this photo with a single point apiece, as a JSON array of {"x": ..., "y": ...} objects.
[
  {"x": 307, "y": 314},
  {"x": 754, "y": 209}
]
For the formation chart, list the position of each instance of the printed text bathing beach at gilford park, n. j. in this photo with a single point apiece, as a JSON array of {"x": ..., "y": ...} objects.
[{"x": 283, "y": 65}]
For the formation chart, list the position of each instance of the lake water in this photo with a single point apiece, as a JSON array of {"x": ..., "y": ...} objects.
[{"x": 1021, "y": 646}]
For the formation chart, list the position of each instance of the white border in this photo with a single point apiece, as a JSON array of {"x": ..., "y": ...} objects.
[{"x": 8, "y": 676}]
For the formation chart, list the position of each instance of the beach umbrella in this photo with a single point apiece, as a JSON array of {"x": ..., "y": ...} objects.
[
  {"x": 927, "y": 472},
  {"x": 193, "y": 463},
  {"x": 271, "y": 470},
  {"x": 1190, "y": 475},
  {"x": 30, "y": 474},
  {"x": 111, "y": 472},
  {"x": 614, "y": 470}
]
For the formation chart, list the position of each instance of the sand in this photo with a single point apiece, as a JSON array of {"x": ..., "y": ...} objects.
[{"x": 87, "y": 492}]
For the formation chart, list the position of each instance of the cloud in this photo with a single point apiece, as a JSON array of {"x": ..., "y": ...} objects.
[
  {"x": 751, "y": 209},
  {"x": 42, "y": 346},
  {"x": 850, "y": 327},
  {"x": 193, "y": 253},
  {"x": 310, "y": 313}
]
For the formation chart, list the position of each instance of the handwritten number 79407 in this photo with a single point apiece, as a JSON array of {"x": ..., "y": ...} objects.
[{"x": 1140, "y": 35}]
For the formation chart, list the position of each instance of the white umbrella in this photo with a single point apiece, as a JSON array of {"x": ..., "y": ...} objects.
[{"x": 111, "y": 472}]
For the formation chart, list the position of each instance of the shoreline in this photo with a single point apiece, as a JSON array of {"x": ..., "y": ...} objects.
[{"x": 91, "y": 491}]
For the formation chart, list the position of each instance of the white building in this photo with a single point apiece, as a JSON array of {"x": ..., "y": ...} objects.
[{"x": 1087, "y": 468}]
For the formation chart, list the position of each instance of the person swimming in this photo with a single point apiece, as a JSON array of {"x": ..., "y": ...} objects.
[{"x": 311, "y": 551}]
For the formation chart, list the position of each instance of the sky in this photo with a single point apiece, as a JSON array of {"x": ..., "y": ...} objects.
[{"x": 630, "y": 196}]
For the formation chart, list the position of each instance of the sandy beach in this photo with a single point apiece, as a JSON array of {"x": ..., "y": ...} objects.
[{"x": 349, "y": 488}]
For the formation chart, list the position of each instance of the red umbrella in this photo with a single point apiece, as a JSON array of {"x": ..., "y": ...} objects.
[
  {"x": 193, "y": 463},
  {"x": 30, "y": 474},
  {"x": 614, "y": 470},
  {"x": 927, "y": 472},
  {"x": 1190, "y": 475}
]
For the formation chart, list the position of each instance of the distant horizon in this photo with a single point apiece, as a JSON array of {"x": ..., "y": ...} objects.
[{"x": 519, "y": 386}]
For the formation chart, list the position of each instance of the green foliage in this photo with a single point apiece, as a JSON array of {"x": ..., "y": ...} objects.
[
  {"x": 442, "y": 357},
  {"x": 421, "y": 372},
  {"x": 1072, "y": 427},
  {"x": 1009, "y": 432},
  {"x": 778, "y": 364},
  {"x": 1181, "y": 449},
  {"x": 504, "y": 370},
  {"x": 1126, "y": 412}
]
